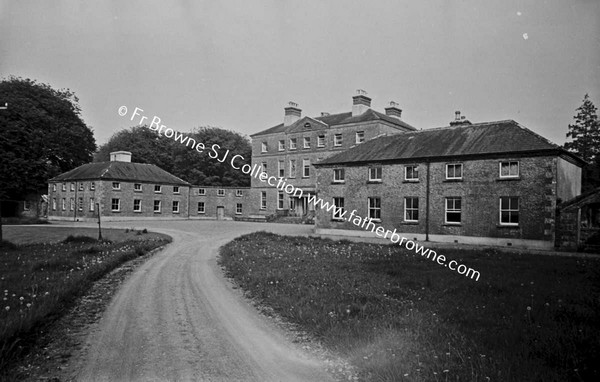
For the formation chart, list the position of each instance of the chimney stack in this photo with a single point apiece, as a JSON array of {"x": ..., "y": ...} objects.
[
  {"x": 459, "y": 120},
  {"x": 292, "y": 113},
  {"x": 393, "y": 110},
  {"x": 360, "y": 102},
  {"x": 120, "y": 156}
]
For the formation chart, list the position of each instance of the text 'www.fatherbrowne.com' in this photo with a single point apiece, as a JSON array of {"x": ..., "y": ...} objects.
[{"x": 256, "y": 171}]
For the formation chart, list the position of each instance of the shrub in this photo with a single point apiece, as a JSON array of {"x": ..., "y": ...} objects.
[
  {"x": 5, "y": 244},
  {"x": 79, "y": 239}
]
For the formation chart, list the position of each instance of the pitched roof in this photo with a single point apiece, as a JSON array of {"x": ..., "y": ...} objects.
[
  {"x": 592, "y": 196},
  {"x": 340, "y": 119},
  {"x": 488, "y": 138},
  {"x": 123, "y": 171}
]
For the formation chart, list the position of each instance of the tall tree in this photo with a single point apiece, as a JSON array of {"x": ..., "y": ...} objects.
[
  {"x": 180, "y": 160},
  {"x": 585, "y": 135}
]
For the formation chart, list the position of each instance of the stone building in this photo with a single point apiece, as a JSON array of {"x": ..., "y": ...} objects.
[
  {"x": 488, "y": 183},
  {"x": 290, "y": 149}
]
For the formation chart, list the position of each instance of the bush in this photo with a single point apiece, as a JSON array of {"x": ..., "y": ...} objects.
[
  {"x": 5, "y": 244},
  {"x": 79, "y": 239}
]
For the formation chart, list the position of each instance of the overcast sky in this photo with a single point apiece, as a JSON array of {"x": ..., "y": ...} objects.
[{"x": 236, "y": 64}]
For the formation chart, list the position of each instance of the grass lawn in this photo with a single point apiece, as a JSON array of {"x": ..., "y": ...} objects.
[
  {"x": 39, "y": 282},
  {"x": 398, "y": 316}
]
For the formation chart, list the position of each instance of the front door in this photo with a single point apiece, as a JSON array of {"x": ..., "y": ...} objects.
[{"x": 220, "y": 213}]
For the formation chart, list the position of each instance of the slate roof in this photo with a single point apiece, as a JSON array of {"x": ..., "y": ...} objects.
[
  {"x": 123, "y": 171},
  {"x": 482, "y": 139},
  {"x": 340, "y": 119},
  {"x": 592, "y": 196}
]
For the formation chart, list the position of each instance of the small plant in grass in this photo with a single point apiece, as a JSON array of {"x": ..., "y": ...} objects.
[{"x": 144, "y": 230}]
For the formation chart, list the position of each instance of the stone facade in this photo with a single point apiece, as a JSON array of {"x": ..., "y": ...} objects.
[{"x": 221, "y": 203}]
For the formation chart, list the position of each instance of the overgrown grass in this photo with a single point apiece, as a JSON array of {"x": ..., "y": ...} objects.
[
  {"x": 398, "y": 316},
  {"x": 39, "y": 282}
]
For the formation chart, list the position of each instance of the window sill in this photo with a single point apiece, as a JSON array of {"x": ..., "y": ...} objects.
[
  {"x": 334, "y": 182},
  {"x": 504, "y": 226},
  {"x": 374, "y": 220},
  {"x": 137, "y": 190},
  {"x": 452, "y": 225},
  {"x": 452, "y": 180},
  {"x": 137, "y": 212},
  {"x": 410, "y": 181},
  {"x": 115, "y": 211},
  {"x": 157, "y": 212},
  {"x": 410, "y": 222},
  {"x": 374, "y": 182},
  {"x": 500, "y": 179}
]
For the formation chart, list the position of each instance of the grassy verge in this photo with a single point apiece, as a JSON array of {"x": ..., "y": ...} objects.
[
  {"x": 398, "y": 316},
  {"x": 39, "y": 282}
]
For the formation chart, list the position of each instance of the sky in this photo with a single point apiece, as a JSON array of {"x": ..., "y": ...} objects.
[{"x": 236, "y": 64}]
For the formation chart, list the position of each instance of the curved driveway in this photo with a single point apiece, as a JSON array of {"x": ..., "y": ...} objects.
[{"x": 178, "y": 319}]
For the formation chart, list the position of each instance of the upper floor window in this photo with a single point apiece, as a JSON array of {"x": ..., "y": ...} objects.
[
  {"x": 454, "y": 171},
  {"x": 509, "y": 169},
  {"x": 220, "y": 192},
  {"x": 116, "y": 185},
  {"x": 339, "y": 175},
  {"x": 509, "y": 210},
  {"x": 292, "y": 168},
  {"x": 360, "y": 137},
  {"x": 92, "y": 186},
  {"x": 81, "y": 186},
  {"x": 53, "y": 186},
  {"x": 337, "y": 140},
  {"x": 176, "y": 189},
  {"x": 64, "y": 187},
  {"x": 375, "y": 174},
  {"x": 453, "y": 210},
  {"x": 202, "y": 191},
  {"x": 137, "y": 187},
  {"x": 263, "y": 200},
  {"x": 411, "y": 173},
  {"x": 321, "y": 140},
  {"x": 157, "y": 188},
  {"x": 281, "y": 145},
  {"x": 281, "y": 168},
  {"x": 305, "y": 168},
  {"x": 292, "y": 143},
  {"x": 264, "y": 148},
  {"x": 307, "y": 142},
  {"x": 239, "y": 192},
  {"x": 72, "y": 186}
]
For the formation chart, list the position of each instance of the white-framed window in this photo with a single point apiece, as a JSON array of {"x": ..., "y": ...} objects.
[
  {"x": 239, "y": 193},
  {"x": 337, "y": 140},
  {"x": 280, "y": 200},
  {"x": 360, "y": 137},
  {"x": 321, "y": 140},
  {"x": 264, "y": 147},
  {"x": 116, "y": 185},
  {"x": 509, "y": 210},
  {"x": 453, "y": 210},
  {"x": 411, "y": 209},
  {"x": 137, "y": 205},
  {"x": 202, "y": 191},
  {"x": 92, "y": 205},
  {"x": 411, "y": 173},
  {"x": 72, "y": 186},
  {"x": 157, "y": 206},
  {"x": 221, "y": 192},
  {"x": 175, "y": 206},
  {"x": 375, "y": 208},
  {"x": 64, "y": 204},
  {"x": 292, "y": 143},
  {"x": 238, "y": 208},
  {"x": 509, "y": 169},
  {"x": 281, "y": 146},
  {"x": 305, "y": 168},
  {"x": 292, "y": 168},
  {"x": 137, "y": 187},
  {"x": 80, "y": 203},
  {"x": 64, "y": 187},
  {"x": 263, "y": 200},
  {"x": 375, "y": 174},
  {"x": 26, "y": 205},
  {"x": 72, "y": 203},
  {"x": 201, "y": 209},
  {"x": 157, "y": 188},
  {"x": 92, "y": 186},
  {"x": 339, "y": 175},
  {"x": 176, "y": 189},
  {"x": 53, "y": 204},
  {"x": 81, "y": 186},
  {"x": 338, "y": 211},
  {"x": 53, "y": 187},
  {"x": 115, "y": 204},
  {"x": 454, "y": 171},
  {"x": 306, "y": 142},
  {"x": 281, "y": 168}
]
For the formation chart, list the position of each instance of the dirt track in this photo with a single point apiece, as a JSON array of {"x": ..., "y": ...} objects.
[{"x": 177, "y": 318}]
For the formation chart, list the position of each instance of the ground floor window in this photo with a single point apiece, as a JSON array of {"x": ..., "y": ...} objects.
[
  {"x": 411, "y": 209},
  {"x": 339, "y": 208},
  {"x": 137, "y": 205},
  {"x": 238, "y": 208},
  {"x": 64, "y": 204},
  {"x": 175, "y": 206},
  {"x": 157, "y": 206},
  {"x": 263, "y": 200},
  {"x": 509, "y": 210},
  {"x": 72, "y": 203},
  {"x": 92, "y": 205},
  {"x": 80, "y": 204},
  {"x": 280, "y": 201},
  {"x": 53, "y": 204},
  {"x": 201, "y": 207},
  {"x": 115, "y": 204},
  {"x": 375, "y": 208},
  {"x": 453, "y": 210}
]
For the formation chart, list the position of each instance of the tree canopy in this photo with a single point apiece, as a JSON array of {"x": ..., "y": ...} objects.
[
  {"x": 41, "y": 135},
  {"x": 180, "y": 160},
  {"x": 585, "y": 135}
]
